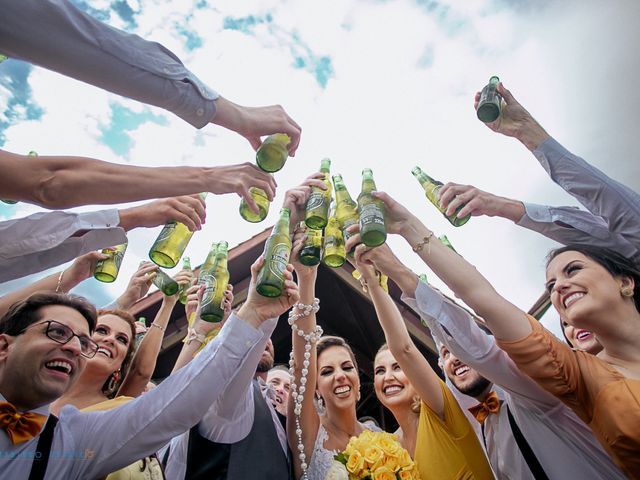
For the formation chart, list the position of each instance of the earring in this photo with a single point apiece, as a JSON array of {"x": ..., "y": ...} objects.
[
  {"x": 113, "y": 381},
  {"x": 320, "y": 408},
  {"x": 626, "y": 292}
]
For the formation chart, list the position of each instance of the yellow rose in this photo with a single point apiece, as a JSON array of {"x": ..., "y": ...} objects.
[
  {"x": 389, "y": 445},
  {"x": 373, "y": 454},
  {"x": 405, "y": 475},
  {"x": 391, "y": 463},
  {"x": 355, "y": 463},
  {"x": 383, "y": 473},
  {"x": 404, "y": 460}
]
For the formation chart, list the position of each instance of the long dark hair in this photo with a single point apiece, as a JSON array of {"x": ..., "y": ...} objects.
[{"x": 614, "y": 263}]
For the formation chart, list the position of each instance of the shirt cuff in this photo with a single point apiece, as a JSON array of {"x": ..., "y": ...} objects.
[
  {"x": 549, "y": 150},
  {"x": 100, "y": 219},
  {"x": 237, "y": 336}
]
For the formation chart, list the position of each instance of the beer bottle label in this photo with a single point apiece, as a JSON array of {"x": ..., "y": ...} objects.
[
  {"x": 209, "y": 290},
  {"x": 279, "y": 260},
  {"x": 371, "y": 213},
  {"x": 316, "y": 199},
  {"x": 330, "y": 241},
  {"x": 167, "y": 231}
]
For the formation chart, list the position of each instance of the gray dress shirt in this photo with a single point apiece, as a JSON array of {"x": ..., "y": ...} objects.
[
  {"x": 57, "y": 35},
  {"x": 613, "y": 219},
  {"x": 563, "y": 444},
  {"x": 92, "y": 444}
]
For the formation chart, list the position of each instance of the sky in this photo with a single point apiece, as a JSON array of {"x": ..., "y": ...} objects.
[{"x": 380, "y": 84}]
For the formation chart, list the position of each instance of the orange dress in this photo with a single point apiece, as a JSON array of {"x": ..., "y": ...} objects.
[{"x": 600, "y": 395}]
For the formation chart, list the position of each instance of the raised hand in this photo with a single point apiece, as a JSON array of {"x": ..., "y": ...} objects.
[
  {"x": 515, "y": 120},
  {"x": 83, "y": 267},
  {"x": 239, "y": 179},
  {"x": 138, "y": 285},
  {"x": 295, "y": 198},
  {"x": 257, "y": 308},
  {"x": 187, "y": 209},
  {"x": 255, "y": 122},
  {"x": 478, "y": 202}
]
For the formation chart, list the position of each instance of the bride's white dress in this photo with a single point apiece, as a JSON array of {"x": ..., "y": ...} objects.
[{"x": 321, "y": 458}]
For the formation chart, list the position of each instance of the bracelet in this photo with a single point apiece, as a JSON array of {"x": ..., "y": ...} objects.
[
  {"x": 158, "y": 326},
  {"x": 192, "y": 335},
  {"x": 425, "y": 241},
  {"x": 59, "y": 285}
]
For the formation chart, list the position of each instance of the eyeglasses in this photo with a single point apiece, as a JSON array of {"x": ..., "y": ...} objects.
[{"x": 59, "y": 332}]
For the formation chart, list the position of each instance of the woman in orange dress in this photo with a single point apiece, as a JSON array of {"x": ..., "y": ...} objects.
[{"x": 591, "y": 288}]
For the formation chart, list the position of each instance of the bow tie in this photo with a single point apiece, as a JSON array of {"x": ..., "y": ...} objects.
[
  {"x": 491, "y": 404},
  {"x": 20, "y": 427}
]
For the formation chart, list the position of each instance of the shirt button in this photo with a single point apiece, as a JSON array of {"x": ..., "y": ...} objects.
[
  {"x": 200, "y": 112},
  {"x": 247, "y": 343},
  {"x": 166, "y": 69}
]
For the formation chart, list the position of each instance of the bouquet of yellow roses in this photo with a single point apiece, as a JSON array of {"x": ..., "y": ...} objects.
[{"x": 375, "y": 456}]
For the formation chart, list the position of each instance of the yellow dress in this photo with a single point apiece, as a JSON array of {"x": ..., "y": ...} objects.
[
  {"x": 146, "y": 469},
  {"x": 449, "y": 449}
]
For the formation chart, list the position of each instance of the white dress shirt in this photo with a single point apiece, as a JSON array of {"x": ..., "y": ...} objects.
[
  {"x": 614, "y": 221},
  {"x": 89, "y": 445},
  {"x": 230, "y": 418},
  {"x": 57, "y": 35},
  {"x": 563, "y": 444},
  {"x": 44, "y": 240}
]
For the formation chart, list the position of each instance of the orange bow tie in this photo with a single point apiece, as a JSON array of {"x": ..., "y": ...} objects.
[
  {"x": 491, "y": 404},
  {"x": 20, "y": 427}
]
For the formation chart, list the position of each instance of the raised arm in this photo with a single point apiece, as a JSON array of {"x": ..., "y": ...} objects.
[
  {"x": 44, "y": 240},
  {"x": 604, "y": 197},
  {"x": 506, "y": 320},
  {"x": 63, "y": 281},
  {"x": 565, "y": 225},
  {"x": 64, "y": 182},
  {"x": 146, "y": 356},
  {"x": 57, "y": 35},
  {"x": 412, "y": 362},
  {"x": 139, "y": 428}
]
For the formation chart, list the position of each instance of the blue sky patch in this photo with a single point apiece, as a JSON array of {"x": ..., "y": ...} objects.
[
  {"x": 191, "y": 38},
  {"x": 14, "y": 75},
  {"x": 116, "y": 134}
]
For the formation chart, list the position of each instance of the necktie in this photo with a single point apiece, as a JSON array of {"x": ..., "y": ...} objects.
[
  {"x": 491, "y": 404},
  {"x": 20, "y": 427}
]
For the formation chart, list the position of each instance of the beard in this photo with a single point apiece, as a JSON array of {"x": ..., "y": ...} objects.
[
  {"x": 473, "y": 389},
  {"x": 265, "y": 364}
]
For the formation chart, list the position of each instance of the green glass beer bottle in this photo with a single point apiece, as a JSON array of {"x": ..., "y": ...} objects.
[
  {"x": 260, "y": 197},
  {"x": 171, "y": 243},
  {"x": 372, "y": 228},
  {"x": 423, "y": 278},
  {"x": 165, "y": 283},
  {"x": 490, "y": 102},
  {"x": 317, "y": 208},
  {"x": 207, "y": 266},
  {"x": 272, "y": 154},
  {"x": 277, "y": 249},
  {"x": 345, "y": 209},
  {"x": 107, "y": 269},
  {"x": 333, "y": 253},
  {"x": 186, "y": 265},
  {"x": 311, "y": 250},
  {"x": 3, "y": 58},
  {"x": 445, "y": 241},
  {"x": 431, "y": 189},
  {"x": 212, "y": 308}
]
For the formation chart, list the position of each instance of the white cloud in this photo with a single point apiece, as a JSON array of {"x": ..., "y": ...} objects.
[{"x": 571, "y": 64}]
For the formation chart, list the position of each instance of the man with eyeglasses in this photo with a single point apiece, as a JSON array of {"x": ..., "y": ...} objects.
[{"x": 44, "y": 343}]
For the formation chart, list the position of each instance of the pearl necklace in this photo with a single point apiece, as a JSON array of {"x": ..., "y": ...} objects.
[{"x": 298, "y": 393}]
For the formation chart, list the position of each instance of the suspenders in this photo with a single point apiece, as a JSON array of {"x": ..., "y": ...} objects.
[
  {"x": 527, "y": 453},
  {"x": 39, "y": 465}
]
